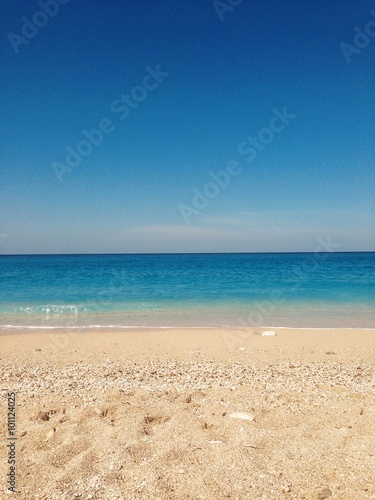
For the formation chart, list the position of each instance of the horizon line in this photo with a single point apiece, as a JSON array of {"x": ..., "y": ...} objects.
[{"x": 175, "y": 253}]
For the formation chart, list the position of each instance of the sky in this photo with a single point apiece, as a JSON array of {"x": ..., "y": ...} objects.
[{"x": 175, "y": 126}]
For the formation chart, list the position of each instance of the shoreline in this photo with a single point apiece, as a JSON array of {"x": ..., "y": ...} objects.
[{"x": 8, "y": 328}]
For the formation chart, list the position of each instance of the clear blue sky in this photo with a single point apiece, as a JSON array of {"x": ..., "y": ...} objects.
[{"x": 313, "y": 179}]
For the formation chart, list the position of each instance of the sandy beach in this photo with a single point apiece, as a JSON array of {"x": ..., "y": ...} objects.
[{"x": 191, "y": 414}]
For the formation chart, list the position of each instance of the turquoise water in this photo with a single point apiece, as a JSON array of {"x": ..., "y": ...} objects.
[{"x": 237, "y": 290}]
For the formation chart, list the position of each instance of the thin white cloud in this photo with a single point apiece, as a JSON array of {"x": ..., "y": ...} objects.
[
  {"x": 274, "y": 219},
  {"x": 239, "y": 219},
  {"x": 178, "y": 231}
]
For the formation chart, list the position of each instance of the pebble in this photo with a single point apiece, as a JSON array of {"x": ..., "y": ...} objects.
[
  {"x": 50, "y": 433},
  {"x": 242, "y": 416},
  {"x": 324, "y": 493},
  {"x": 43, "y": 416},
  {"x": 268, "y": 333}
]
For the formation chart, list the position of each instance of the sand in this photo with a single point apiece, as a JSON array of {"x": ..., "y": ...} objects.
[{"x": 190, "y": 414}]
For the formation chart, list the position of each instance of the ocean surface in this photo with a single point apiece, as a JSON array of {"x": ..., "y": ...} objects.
[{"x": 235, "y": 290}]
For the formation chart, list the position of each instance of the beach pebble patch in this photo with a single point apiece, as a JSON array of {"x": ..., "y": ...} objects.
[{"x": 268, "y": 333}]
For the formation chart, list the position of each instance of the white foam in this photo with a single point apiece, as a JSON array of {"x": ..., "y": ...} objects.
[{"x": 175, "y": 327}]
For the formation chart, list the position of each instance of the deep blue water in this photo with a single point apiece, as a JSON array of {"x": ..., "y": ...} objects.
[{"x": 297, "y": 289}]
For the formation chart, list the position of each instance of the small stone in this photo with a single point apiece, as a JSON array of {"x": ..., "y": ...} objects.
[
  {"x": 148, "y": 419},
  {"x": 50, "y": 433},
  {"x": 43, "y": 416},
  {"x": 23, "y": 433},
  {"x": 268, "y": 333},
  {"x": 324, "y": 493},
  {"x": 188, "y": 399},
  {"x": 242, "y": 416}
]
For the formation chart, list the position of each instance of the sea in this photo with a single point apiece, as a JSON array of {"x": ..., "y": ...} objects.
[{"x": 236, "y": 290}]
